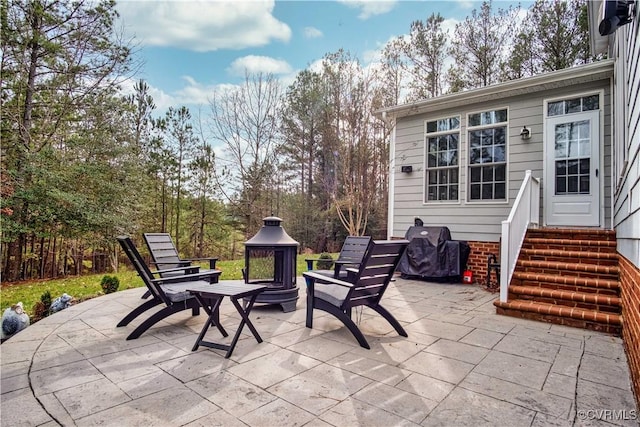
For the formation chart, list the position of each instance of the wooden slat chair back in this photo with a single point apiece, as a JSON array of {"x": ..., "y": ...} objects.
[
  {"x": 363, "y": 287},
  {"x": 142, "y": 269},
  {"x": 165, "y": 255},
  {"x": 351, "y": 254},
  {"x": 170, "y": 291},
  {"x": 163, "y": 251}
]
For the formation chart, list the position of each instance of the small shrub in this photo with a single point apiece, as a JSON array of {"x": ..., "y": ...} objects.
[
  {"x": 45, "y": 299},
  {"x": 326, "y": 261},
  {"x": 109, "y": 284},
  {"x": 40, "y": 311},
  {"x": 41, "y": 308}
]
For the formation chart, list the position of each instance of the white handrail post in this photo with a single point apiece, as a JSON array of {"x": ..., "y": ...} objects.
[
  {"x": 535, "y": 202},
  {"x": 525, "y": 211},
  {"x": 504, "y": 262}
]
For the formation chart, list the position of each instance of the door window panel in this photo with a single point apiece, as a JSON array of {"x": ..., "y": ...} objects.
[{"x": 572, "y": 158}]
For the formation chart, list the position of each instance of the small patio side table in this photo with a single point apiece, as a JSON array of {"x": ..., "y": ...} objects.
[{"x": 210, "y": 297}]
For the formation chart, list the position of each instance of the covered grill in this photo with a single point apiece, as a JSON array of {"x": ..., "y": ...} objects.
[
  {"x": 270, "y": 259},
  {"x": 432, "y": 255}
]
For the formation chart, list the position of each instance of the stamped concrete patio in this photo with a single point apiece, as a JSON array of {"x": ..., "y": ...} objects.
[{"x": 461, "y": 365}]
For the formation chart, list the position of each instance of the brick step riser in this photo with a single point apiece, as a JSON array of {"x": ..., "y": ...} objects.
[
  {"x": 566, "y": 321},
  {"x": 596, "y": 240},
  {"x": 565, "y": 273},
  {"x": 572, "y": 235},
  {"x": 614, "y": 309},
  {"x": 567, "y": 287},
  {"x": 570, "y": 247},
  {"x": 575, "y": 250},
  {"x": 571, "y": 260}
]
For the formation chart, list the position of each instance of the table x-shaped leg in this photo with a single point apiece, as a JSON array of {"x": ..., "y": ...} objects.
[
  {"x": 213, "y": 312},
  {"x": 213, "y": 319},
  {"x": 245, "y": 320}
]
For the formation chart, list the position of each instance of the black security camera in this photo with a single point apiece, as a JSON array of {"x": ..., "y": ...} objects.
[{"x": 615, "y": 13}]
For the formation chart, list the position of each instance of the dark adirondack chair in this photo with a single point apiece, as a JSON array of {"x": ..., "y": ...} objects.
[
  {"x": 165, "y": 258},
  {"x": 350, "y": 256},
  {"x": 165, "y": 255},
  {"x": 363, "y": 287},
  {"x": 170, "y": 291}
]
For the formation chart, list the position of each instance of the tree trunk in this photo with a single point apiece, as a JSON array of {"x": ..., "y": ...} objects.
[
  {"x": 53, "y": 258},
  {"x": 43, "y": 259},
  {"x": 203, "y": 215},
  {"x": 163, "y": 226}
]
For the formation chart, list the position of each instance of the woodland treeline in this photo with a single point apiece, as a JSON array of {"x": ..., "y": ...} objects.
[{"x": 83, "y": 163}]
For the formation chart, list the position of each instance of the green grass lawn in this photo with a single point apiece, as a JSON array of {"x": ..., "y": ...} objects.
[{"x": 85, "y": 287}]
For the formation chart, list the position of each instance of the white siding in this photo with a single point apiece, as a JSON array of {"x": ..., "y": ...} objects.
[
  {"x": 626, "y": 51},
  {"x": 481, "y": 221}
]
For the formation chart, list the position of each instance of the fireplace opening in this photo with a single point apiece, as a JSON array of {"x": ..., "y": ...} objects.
[{"x": 270, "y": 259}]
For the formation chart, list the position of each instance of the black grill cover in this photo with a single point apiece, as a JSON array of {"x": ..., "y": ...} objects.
[{"x": 432, "y": 255}]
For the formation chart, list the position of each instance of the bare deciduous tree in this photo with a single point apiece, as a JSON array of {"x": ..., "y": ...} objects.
[{"x": 246, "y": 121}]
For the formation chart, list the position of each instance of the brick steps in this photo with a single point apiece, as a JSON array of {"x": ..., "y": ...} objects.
[
  {"x": 586, "y": 300},
  {"x": 574, "y": 234},
  {"x": 568, "y": 244},
  {"x": 580, "y": 269},
  {"x": 567, "y": 283},
  {"x": 559, "y": 255},
  {"x": 569, "y": 316},
  {"x": 568, "y": 277}
]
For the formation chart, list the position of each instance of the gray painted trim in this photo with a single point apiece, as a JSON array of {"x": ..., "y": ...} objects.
[
  {"x": 481, "y": 221},
  {"x": 597, "y": 44},
  {"x": 554, "y": 80}
]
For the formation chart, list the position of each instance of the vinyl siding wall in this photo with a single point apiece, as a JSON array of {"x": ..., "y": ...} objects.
[
  {"x": 627, "y": 140},
  {"x": 626, "y": 52},
  {"x": 481, "y": 221}
]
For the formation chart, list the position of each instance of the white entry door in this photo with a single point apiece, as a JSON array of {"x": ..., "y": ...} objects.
[{"x": 572, "y": 177}]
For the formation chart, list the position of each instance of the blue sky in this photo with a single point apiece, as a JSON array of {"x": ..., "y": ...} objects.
[{"x": 188, "y": 48}]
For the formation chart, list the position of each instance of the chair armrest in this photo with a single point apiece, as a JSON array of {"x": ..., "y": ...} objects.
[
  {"x": 352, "y": 274},
  {"x": 341, "y": 263},
  {"x": 212, "y": 261},
  {"x": 321, "y": 279},
  {"x": 188, "y": 277},
  {"x": 184, "y": 263},
  {"x": 188, "y": 269},
  {"x": 310, "y": 262},
  {"x": 347, "y": 262}
]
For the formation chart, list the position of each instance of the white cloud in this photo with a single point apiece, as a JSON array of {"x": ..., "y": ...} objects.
[
  {"x": 258, "y": 64},
  {"x": 466, "y": 4},
  {"x": 372, "y": 55},
  {"x": 316, "y": 66},
  {"x": 192, "y": 94},
  {"x": 369, "y": 8},
  {"x": 449, "y": 26},
  {"x": 203, "y": 26},
  {"x": 312, "y": 32}
]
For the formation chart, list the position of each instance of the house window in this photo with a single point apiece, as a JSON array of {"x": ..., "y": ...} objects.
[
  {"x": 442, "y": 137},
  {"x": 487, "y": 155},
  {"x": 574, "y": 105}
]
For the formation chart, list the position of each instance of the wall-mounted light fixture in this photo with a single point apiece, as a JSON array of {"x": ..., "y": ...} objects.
[
  {"x": 406, "y": 169},
  {"x": 525, "y": 133}
]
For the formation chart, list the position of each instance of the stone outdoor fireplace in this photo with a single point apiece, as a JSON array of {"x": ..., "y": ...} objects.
[{"x": 270, "y": 259}]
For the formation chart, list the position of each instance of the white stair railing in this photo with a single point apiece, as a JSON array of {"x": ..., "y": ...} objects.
[{"x": 524, "y": 213}]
